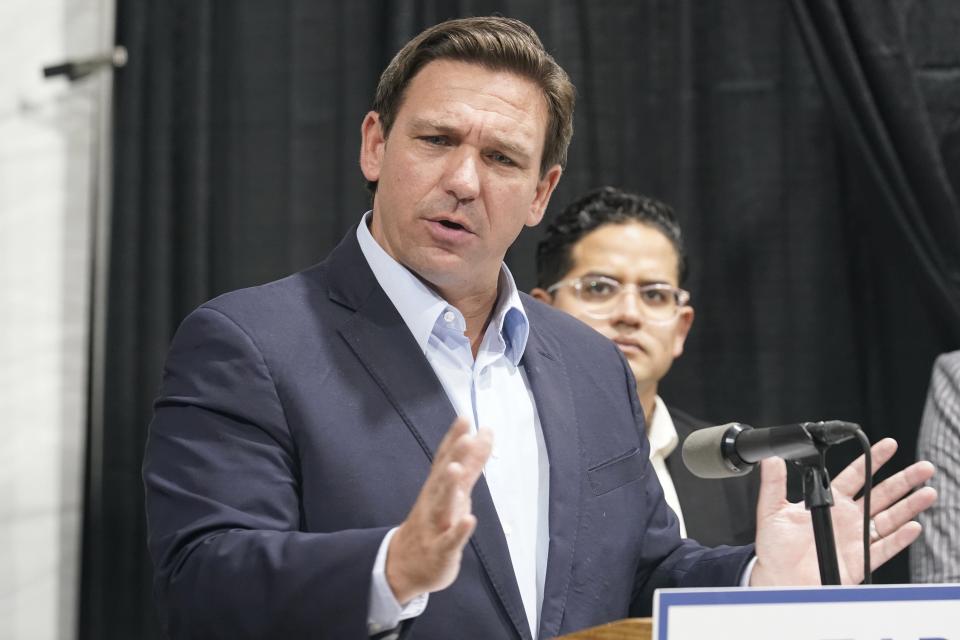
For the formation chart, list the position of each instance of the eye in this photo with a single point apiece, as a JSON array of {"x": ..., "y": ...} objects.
[
  {"x": 437, "y": 141},
  {"x": 499, "y": 158},
  {"x": 655, "y": 297},
  {"x": 597, "y": 289}
]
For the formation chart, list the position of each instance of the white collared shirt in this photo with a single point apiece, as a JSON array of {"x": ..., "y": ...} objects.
[
  {"x": 663, "y": 440},
  {"x": 492, "y": 391}
]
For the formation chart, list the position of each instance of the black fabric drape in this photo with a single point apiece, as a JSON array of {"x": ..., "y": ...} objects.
[
  {"x": 814, "y": 192},
  {"x": 899, "y": 194},
  {"x": 860, "y": 57}
]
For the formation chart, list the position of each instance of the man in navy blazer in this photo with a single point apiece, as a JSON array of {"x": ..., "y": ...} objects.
[{"x": 322, "y": 460}]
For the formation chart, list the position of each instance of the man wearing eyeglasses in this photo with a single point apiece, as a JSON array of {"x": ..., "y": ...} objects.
[{"x": 615, "y": 260}]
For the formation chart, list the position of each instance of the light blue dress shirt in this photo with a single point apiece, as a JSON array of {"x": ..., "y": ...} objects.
[{"x": 492, "y": 391}]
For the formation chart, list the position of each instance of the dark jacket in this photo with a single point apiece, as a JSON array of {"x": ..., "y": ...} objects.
[
  {"x": 715, "y": 512},
  {"x": 295, "y": 426}
]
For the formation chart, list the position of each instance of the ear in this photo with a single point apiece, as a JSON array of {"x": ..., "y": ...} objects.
[
  {"x": 542, "y": 295},
  {"x": 544, "y": 190},
  {"x": 684, "y": 323},
  {"x": 372, "y": 142}
]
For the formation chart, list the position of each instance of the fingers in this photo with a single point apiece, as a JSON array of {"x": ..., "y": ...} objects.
[
  {"x": 893, "y": 508},
  {"x": 773, "y": 487},
  {"x": 444, "y": 496},
  {"x": 850, "y": 480},
  {"x": 460, "y": 459},
  {"x": 424, "y": 553},
  {"x": 898, "y": 485},
  {"x": 455, "y": 538},
  {"x": 885, "y": 548},
  {"x": 459, "y": 428},
  {"x": 457, "y": 466},
  {"x": 469, "y": 449},
  {"x": 476, "y": 454},
  {"x": 902, "y": 512},
  {"x": 451, "y": 509}
]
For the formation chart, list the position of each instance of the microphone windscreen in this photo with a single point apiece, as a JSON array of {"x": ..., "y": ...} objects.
[{"x": 703, "y": 453}]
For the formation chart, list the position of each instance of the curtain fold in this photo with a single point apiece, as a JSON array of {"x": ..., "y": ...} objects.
[{"x": 861, "y": 59}]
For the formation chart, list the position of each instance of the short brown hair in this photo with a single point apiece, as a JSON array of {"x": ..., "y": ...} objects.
[{"x": 500, "y": 44}]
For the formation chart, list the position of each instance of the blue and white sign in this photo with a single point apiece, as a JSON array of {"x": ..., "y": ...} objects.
[{"x": 877, "y": 612}]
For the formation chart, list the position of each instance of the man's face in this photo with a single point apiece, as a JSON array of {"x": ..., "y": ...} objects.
[
  {"x": 459, "y": 175},
  {"x": 629, "y": 253}
]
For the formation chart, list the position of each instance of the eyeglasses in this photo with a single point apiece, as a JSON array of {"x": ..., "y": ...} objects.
[{"x": 659, "y": 302}]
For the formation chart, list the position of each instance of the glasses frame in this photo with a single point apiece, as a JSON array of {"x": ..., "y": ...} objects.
[{"x": 680, "y": 296}]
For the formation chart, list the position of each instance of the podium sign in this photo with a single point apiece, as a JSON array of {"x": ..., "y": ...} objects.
[{"x": 877, "y": 612}]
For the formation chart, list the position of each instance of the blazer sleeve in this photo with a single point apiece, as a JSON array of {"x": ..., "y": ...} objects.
[{"x": 223, "y": 504}]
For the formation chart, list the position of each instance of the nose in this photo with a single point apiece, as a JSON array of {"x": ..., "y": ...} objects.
[
  {"x": 462, "y": 180},
  {"x": 626, "y": 310}
]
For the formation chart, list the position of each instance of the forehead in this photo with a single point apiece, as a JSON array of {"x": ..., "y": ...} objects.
[
  {"x": 473, "y": 97},
  {"x": 630, "y": 252}
]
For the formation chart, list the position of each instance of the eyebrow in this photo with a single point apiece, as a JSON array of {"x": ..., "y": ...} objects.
[
  {"x": 595, "y": 273},
  {"x": 511, "y": 148}
]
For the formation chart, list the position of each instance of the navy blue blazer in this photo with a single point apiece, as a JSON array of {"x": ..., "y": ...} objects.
[{"x": 295, "y": 426}]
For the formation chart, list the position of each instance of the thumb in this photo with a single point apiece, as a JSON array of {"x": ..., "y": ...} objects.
[{"x": 773, "y": 487}]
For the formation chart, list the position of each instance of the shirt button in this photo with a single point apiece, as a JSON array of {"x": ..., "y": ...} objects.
[{"x": 449, "y": 317}]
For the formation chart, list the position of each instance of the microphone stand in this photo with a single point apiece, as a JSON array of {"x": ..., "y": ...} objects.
[
  {"x": 818, "y": 499},
  {"x": 805, "y": 444}
]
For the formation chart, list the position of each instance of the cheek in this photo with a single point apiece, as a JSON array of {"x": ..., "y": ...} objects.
[
  {"x": 410, "y": 191},
  {"x": 661, "y": 339},
  {"x": 406, "y": 177},
  {"x": 514, "y": 199},
  {"x": 659, "y": 343},
  {"x": 566, "y": 302},
  {"x": 603, "y": 326}
]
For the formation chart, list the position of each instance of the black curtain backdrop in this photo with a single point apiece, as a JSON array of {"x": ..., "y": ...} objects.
[{"x": 811, "y": 148}]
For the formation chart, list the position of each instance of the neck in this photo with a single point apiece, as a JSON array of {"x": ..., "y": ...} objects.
[{"x": 648, "y": 400}]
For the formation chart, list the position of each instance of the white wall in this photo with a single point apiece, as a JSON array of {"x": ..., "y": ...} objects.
[{"x": 47, "y": 143}]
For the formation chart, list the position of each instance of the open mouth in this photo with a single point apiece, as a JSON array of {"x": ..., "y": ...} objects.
[
  {"x": 448, "y": 231},
  {"x": 452, "y": 225}
]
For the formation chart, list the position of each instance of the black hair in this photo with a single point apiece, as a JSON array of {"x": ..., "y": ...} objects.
[{"x": 606, "y": 205}]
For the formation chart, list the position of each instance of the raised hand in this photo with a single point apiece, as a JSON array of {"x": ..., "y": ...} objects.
[
  {"x": 424, "y": 554},
  {"x": 786, "y": 553}
]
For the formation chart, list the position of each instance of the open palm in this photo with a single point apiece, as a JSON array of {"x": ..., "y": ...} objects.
[{"x": 786, "y": 552}]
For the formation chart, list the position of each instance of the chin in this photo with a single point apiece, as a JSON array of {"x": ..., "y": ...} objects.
[
  {"x": 644, "y": 369},
  {"x": 640, "y": 374}
]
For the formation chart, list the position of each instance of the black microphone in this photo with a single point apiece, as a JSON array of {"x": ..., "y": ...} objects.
[{"x": 733, "y": 449}]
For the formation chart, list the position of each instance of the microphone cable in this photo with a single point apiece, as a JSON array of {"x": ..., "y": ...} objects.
[{"x": 867, "y": 489}]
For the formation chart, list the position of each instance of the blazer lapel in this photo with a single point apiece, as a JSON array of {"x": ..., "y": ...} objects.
[
  {"x": 389, "y": 352},
  {"x": 554, "y": 398},
  {"x": 490, "y": 545}
]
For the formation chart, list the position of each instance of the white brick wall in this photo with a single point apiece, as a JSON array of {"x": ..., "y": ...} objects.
[{"x": 47, "y": 134}]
